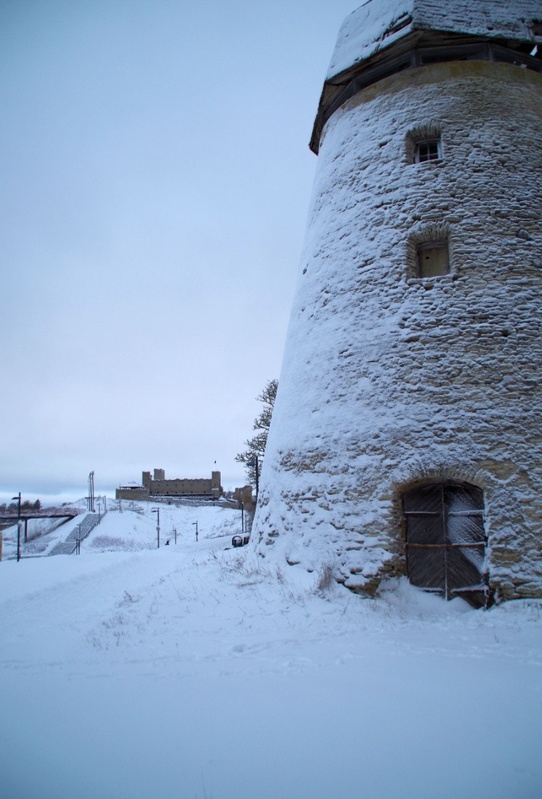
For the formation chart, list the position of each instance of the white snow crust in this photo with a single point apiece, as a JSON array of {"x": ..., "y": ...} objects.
[
  {"x": 199, "y": 671},
  {"x": 379, "y": 23}
]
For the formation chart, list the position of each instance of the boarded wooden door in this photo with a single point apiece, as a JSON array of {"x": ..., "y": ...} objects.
[{"x": 445, "y": 540}]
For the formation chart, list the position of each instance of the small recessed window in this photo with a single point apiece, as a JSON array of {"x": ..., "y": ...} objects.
[
  {"x": 433, "y": 259},
  {"x": 536, "y": 26},
  {"x": 428, "y": 150}
]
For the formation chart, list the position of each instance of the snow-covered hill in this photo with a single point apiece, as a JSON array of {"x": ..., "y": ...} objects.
[{"x": 198, "y": 670}]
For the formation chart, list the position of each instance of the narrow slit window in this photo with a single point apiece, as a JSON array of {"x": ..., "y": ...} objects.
[
  {"x": 428, "y": 150},
  {"x": 433, "y": 259}
]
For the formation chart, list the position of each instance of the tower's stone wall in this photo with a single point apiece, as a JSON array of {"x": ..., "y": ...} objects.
[{"x": 389, "y": 379}]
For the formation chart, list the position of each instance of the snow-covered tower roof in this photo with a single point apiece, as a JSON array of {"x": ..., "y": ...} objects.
[{"x": 385, "y": 36}]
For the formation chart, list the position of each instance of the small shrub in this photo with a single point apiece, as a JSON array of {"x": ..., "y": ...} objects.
[
  {"x": 325, "y": 578},
  {"x": 107, "y": 542},
  {"x": 279, "y": 575}
]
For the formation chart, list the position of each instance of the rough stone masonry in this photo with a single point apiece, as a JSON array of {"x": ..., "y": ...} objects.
[{"x": 392, "y": 377}]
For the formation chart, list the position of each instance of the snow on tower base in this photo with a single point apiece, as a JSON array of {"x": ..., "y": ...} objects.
[{"x": 406, "y": 432}]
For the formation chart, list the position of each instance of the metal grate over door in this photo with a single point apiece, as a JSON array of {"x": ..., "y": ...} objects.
[{"x": 445, "y": 540}]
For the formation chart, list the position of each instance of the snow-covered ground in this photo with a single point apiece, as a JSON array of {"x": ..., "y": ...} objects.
[{"x": 198, "y": 670}]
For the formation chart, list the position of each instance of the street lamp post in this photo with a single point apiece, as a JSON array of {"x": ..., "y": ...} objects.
[
  {"x": 255, "y": 462},
  {"x": 18, "y": 498},
  {"x": 157, "y": 511}
]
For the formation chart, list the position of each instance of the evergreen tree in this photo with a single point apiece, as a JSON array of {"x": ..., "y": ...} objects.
[{"x": 256, "y": 444}]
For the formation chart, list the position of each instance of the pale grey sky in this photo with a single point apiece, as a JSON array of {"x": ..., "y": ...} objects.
[{"x": 156, "y": 178}]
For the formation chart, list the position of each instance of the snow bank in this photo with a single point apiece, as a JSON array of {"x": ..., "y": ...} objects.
[{"x": 202, "y": 671}]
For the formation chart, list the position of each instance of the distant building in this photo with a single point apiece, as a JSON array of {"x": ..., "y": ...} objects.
[
  {"x": 243, "y": 495},
  {"x": 158, "y": 486}
]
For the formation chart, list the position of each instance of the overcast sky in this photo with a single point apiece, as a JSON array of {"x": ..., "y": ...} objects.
[{"x": 155, "y": 181}]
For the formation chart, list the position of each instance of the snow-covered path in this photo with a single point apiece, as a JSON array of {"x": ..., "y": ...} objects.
[{"x": 197, "y": 670}]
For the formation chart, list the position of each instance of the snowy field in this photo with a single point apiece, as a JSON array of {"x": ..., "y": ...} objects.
[{"x": 198, "y": 670}]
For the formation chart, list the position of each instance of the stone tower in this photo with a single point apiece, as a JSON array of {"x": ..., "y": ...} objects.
[{"x": 406, "y": 436}]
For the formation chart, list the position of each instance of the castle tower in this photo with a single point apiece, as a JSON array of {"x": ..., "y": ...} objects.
[{"x": 406, "y": 435}]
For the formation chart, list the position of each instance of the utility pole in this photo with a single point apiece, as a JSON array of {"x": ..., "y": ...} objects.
[
  {"x": 18, "y": 498},
  {"x": 91, "y": 492},
  {"x": 157, "y": 511}
]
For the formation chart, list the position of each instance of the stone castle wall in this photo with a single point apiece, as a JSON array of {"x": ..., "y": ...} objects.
[
  {"x": 159, "y": 486},
  {"x": 389, "y": 379}
]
